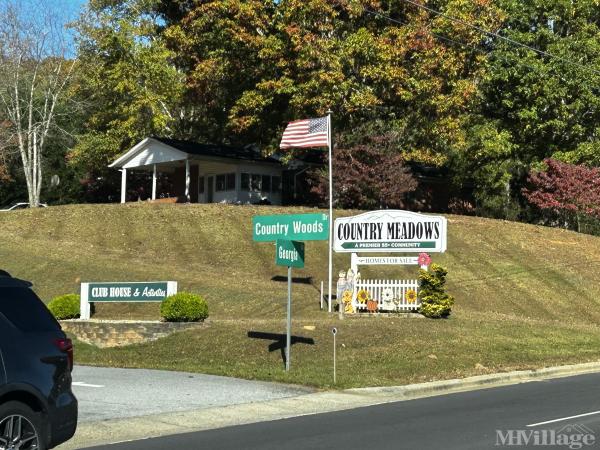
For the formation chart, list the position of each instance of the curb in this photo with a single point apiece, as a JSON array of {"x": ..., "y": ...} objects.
[
  {"x": 479, "y": 381},
  {"x": 112, "y": 431}
]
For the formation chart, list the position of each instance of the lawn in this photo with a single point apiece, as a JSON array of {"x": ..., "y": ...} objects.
[{"x": 526, "y": 296}]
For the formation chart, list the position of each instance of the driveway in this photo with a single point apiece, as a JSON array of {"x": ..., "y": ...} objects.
[{"x": 108, "y": 393}]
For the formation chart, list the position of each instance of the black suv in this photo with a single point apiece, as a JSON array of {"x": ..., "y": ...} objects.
[{"x": 37, "y": 407}]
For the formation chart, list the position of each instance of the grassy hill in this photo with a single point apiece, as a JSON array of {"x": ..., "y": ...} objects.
[{"x": 526, "y": 296}]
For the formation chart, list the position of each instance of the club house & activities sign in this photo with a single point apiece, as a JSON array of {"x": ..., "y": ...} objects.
[
  {"x": 128, "y": 292},
  {"x": 390, "y": 231},
  {"x": 151, "y": 291}
]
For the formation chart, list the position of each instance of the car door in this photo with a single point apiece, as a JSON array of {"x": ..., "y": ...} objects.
[{"x": 3, "y": 338}]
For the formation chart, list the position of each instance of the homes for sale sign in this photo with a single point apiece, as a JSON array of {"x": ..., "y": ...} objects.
[{"x": 390, "y": 231}]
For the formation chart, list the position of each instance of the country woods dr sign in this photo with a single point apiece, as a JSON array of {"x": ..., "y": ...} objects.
[
  {"x": 293, "y": 227},
  {"x": 390, "y": 231}
]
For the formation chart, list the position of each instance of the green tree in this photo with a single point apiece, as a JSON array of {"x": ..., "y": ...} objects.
[
  {"x": 539, "y": 105},
  {"x": 254, "y": 65},
  {"x": 129, "y": 84}
]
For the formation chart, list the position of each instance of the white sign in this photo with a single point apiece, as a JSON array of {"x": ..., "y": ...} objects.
[
  {"x": 135, "y": 291},
  {"x": 390, "y": 231},
  {"x": 384, "y": 260}
]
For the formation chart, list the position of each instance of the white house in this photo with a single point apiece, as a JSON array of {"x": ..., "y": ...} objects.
[{"x": 207, "y": 173}]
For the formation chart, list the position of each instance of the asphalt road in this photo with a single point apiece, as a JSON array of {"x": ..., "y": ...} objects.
[
  {"x": 471, "y": 420},
  {"x": 108, "y": 393}
]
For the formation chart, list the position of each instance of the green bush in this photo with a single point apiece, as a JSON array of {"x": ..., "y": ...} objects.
[
  {"x": 184, "y": 307},
  {"x": 65, "y": 306},
  {"x": 435, "y": 302}
]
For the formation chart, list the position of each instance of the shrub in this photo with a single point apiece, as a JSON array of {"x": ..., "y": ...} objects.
[
  {"x": 435, "y": 302},
  {"x": 65, "y": 306},
  {"x": 184, "y": 307}
]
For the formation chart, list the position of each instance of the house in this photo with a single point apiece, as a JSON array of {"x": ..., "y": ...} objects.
[{"x": 207, "y": 173}]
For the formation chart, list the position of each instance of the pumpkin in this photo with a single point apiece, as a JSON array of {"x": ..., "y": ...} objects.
[{"x": 372, "y": 305}]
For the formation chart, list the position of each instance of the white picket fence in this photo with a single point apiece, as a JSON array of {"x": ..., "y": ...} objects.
[{"x": 394, "y": 288}]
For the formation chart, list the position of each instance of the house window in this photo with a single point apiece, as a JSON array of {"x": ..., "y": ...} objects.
[
  {"x": 201, "y": 185},
  {"x": 220, "y": 183},
  {"x": 231, "y": 181},
  {"x": 276, "y": 184},
  {"x": 245, "y": 182},
  {"x": 255, "y": 182},
  {"x": 266, "y": 183},
  {"x": 225, "y": 182},
  {"x": 260, "y": 183}
]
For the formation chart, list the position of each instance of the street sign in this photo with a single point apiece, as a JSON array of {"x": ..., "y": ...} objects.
[
  {"x": 295, "y": 227},
  {"x": 286, "y": 230},
  {"x": 289, "y": 253}
]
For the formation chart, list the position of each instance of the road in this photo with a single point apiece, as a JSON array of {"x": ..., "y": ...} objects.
[
  {"x": 109, "y": 393},
  {"x": 475, "y": 420}
]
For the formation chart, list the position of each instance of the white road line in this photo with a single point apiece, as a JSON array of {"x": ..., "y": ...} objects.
[
  {"x": 564, "y": 418},
  {"x": 82, "y": 384}
]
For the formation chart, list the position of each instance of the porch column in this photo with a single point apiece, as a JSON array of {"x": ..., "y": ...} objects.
[
  {"x": 154, "y": 182},
  {"x": 187, "y": 180},
  {"x": 123, "y": 185}
]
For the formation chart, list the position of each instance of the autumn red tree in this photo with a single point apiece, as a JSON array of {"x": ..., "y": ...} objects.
[
  {"x": 566, "y": 189},
  {"x": 366, "y": 175}
]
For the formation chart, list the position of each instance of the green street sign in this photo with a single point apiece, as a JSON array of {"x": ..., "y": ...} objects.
[
  {"x": 289, "y": 253},
  {"x": 296, "y": 227}
]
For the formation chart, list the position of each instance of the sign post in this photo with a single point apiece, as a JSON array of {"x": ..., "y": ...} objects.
[
  {"x": 334, "y": 332},
  {"x": 288, "y": 339},
  {"x": 290, "y": 254}
]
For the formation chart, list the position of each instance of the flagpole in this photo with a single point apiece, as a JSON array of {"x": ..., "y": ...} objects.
[{"x": 330, "y": 145}]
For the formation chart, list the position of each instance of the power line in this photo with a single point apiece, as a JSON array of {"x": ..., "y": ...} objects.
[
  {"x": 453, "y": 41},
  {"x": 498, "y": 36},
  {"x": 439, "y": 36}
]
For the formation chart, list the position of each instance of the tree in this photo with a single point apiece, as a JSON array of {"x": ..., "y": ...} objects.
[
  {"x": 566, "y": 189},
  {"x": 128, "y": 84},
  {"x": 254, "y": 65},
  {"x": 366, "y": 175},
  {"x": 34, "y": 76},
  {"x": 547, "y": 101}
]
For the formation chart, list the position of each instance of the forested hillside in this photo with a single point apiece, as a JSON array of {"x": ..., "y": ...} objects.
[{"x": 479, "y": 92}]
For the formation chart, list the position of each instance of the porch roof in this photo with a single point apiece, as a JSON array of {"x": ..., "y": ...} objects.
[{"x": 155, "y": 150}]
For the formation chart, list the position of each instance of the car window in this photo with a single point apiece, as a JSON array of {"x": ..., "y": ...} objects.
[{"x": 25, "y": 310}]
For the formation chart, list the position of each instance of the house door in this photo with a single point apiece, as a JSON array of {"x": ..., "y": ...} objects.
[
  {"x": 210, "y": 189},
  {"x": 201, "y": 189}
]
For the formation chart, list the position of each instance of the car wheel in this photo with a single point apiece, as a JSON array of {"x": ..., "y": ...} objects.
[{"x": 20, "y": 428}]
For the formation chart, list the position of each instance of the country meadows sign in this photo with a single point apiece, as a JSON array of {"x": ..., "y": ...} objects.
[
  {"x": 390, "y": 231},
  {"x": 151, "y": 291}
]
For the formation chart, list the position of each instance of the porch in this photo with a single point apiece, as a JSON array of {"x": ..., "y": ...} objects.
[{"x": 204, "y": 173}]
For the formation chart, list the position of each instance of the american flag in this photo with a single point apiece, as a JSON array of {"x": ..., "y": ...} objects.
[{"x": 305, "y": 133}]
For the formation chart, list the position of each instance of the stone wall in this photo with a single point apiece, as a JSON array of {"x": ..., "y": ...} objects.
[{"x": 117, "y": 333}]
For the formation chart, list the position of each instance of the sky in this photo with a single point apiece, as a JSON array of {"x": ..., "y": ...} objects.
[{"x": 66, "y": 10}]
